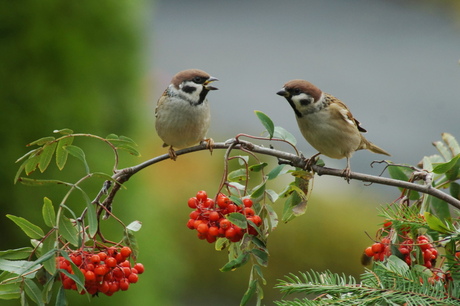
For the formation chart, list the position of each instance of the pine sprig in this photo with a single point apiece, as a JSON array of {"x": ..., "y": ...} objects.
[{"x": 390, "y": 283}]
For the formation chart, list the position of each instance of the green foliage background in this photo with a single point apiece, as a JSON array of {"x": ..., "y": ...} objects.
[{"x": 78, "y": 64}]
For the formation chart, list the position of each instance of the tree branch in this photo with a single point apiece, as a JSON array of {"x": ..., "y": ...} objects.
[{"x": 294, "y": 160}]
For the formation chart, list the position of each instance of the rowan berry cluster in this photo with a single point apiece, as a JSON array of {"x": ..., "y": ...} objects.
[
  {"x": 106, "y": 271},
  {"x": 380, "y": 250},
  {"x": 210, "y": 221}
]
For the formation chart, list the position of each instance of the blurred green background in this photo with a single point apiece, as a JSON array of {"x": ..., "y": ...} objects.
[{"x": 88, "y": 66}]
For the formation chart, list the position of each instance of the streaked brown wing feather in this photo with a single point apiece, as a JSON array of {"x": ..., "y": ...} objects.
[{"x": 339, "y": 105}]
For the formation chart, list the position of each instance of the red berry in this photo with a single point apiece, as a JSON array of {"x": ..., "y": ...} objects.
[
  {"x": 225, "y": 224},
  {"x": 111, "y": 262},
  {"x": 213, "y": 231},
  {"x": 101, "y": 270},
  {"x": 194, "y": 215},
  {"x": 223, "y": 201},
  {"x": 67, "y": 283},
  {"x": 114, "y": 287},
  {"x": 257, "y": 220},
  {"x": 133, "y": 278},
  {"x": 210, "y": 238},
  {"x": 76, "y": 259},
  {"x": 387, "y": 223},
  {"x": 117, "y": 273},
  {"x": 214, "y": 216},
  {"x": 248, "y": 211},
  {"x": 192, "y": 202},
  {"x": 139, "y": 267},
  {"x": 191, "y": 223},
  {"x": 208, "y": 203},
  {"x": 102, "y": 255},
  {"x": 125, "y": 263},
  {"x": 232, "y": 208},
  {"x": 377, "y": 247},
  {"x": 95, "y": 259},
  {"x": 104, "y": 287},
  {"x": 124, "y": 284},
  {"x": 247, "y": 202},
  {"x": 90, "y": 276},
  {"x": 368, "y": 251},
  {"x": 230, "y": 233},
  {"x": 202, "y": 228},
  {"x": 125, "y": 251},
  {"x": 201, "y": 196},
  {"x": 126, "y": 271}
]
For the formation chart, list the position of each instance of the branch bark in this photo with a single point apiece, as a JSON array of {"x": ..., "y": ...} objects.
[{"x": 294, "y": 160}]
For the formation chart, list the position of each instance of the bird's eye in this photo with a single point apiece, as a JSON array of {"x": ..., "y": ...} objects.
[
  {"x": 296, "y": 91},
  {"x": 198, "y": 80}
]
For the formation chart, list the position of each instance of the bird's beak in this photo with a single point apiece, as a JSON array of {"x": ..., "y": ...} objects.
[
  {"x": 208, "y": 81},
  {"x": 283, "y": 93}
]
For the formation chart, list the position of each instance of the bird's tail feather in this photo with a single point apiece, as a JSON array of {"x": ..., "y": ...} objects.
[{"x": 367, "y": 145}]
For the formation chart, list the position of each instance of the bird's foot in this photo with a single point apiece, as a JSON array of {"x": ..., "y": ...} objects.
[
  {"x": 209, "y": 144},
  {"x": 346, "y": 173},
  {"x": 172, "y": 153},
  {"x": 311, "y": 161}
]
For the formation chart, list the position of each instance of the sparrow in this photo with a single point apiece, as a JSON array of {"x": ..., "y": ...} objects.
[
  {"x": 182, "y": 112},
  {"x": 326, "y": 122}
]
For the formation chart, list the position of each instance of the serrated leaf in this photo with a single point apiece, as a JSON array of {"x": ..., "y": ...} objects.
[
  {"x": 235, "y": 263},
  {"x": 30, "y": 229},
  {"x": 221, "y": 243},
  {"x": 61, "y": 153},
  {"x": 49, "y": 215},
  {"x": 32, "y": 163},
  {"x": 238, "y": 219},
  {"x": 79, "y": 154},
  {"x": 19, "y": 267},
  {"x": 61, "y": 299},
  {"x": 273, "y": 216},
  {"x": 35, "y": 182},
  {"x": 10, "y": 291},
  {"x": 452, "y": 143},
  {"x": 272, "y": 195},
  {"x": 249, "y": 293},
  {"x": 41, "y": 141},
  {"x": 33, "y": 292},
  {"x": 238, "y": 175},
  {"x": 435, "y": 224},
  {"x": 68, "y": 230},
  {"x": 261, "y": 257},
  {"x": 46, "y": 155},
  {"x": 443, "y": 149},
  {"x": 275, "y": 172},
  {"x": 444, "y": 167},
  {"x": 282, "y": 133},
  {"x": 19, "y": 253},
  {"x": 63, "y": 131},
  {"x": 111, "y": 137},
  {"x": 266, "y": 122},
  {"x": 134, "y": 226}
]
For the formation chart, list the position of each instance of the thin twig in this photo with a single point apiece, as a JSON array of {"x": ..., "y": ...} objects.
[{"x": 124, "y": 175}]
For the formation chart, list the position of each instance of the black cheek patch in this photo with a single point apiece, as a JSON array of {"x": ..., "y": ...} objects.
[
  {"x": 304, "y": 102},
  {"x": 188, "y": 89}
]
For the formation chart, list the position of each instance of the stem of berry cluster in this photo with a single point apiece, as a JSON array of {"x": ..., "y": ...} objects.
[{"x": 294, "y": 160}]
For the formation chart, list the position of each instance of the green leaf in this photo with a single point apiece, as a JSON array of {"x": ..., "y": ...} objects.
[
  {"x": 49, "y": 216},
  {"x": 130, "y": 240},
  {"x": 111, "y": 137},
  {"x": 33, "y": 292},
  {"x": 221, "y": 243},
  {"x": 46, "y": 155},
  {"x": 61, "y": 299},
  {"x": 49, "y": 246},
  {"x": 10, "y": 291},
  {"x": 32, "y": 163},
  {"x": 257, "y": 167},
  {"x": 238, "y": 219},
  {"x": 266, "y": 122},
  {"x": 444, "y": 167},
  {"x": 63, "y": 131},
  {"x": 235, "y": 263},
  {"x": 79, "y": 154},
  {"x": 455, "y": 190},
  {"x": 259, "y": 272},
  {"x": 27, "y": 154},
  {"x": 282, "y": 133},
  {"x": 130, "y": 149},
  {"x": 61, "y": 153},
  {"x": 92, "y": 218},
  {"x": 402, "y": 174},
  {"x": 20, "y": 253},
  {"x": 35, "y": 182},
  {"x": 441, "y": 208},
  {"x": 435, "y": 224},
  {"x": 275, "y": 172},
  {"x": 452, "y": 143},
  {"x": 261, "y": 257},
  {"x": 68, "y": 230},
  {"x": 41, "y": 141},
  {"x": 134, "y": 226},
  {"x": 258, "y": 192},
  {"x": 272, "y": 195},
  {"x": 273, "y": 216},
  {"x": 238, "y": 175},
  {"x": 30, "y": 229},
  {"x": 445, "y": 152},
  {"x": 19, "y": 267},
  {"x": 249, "y": 293}
]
